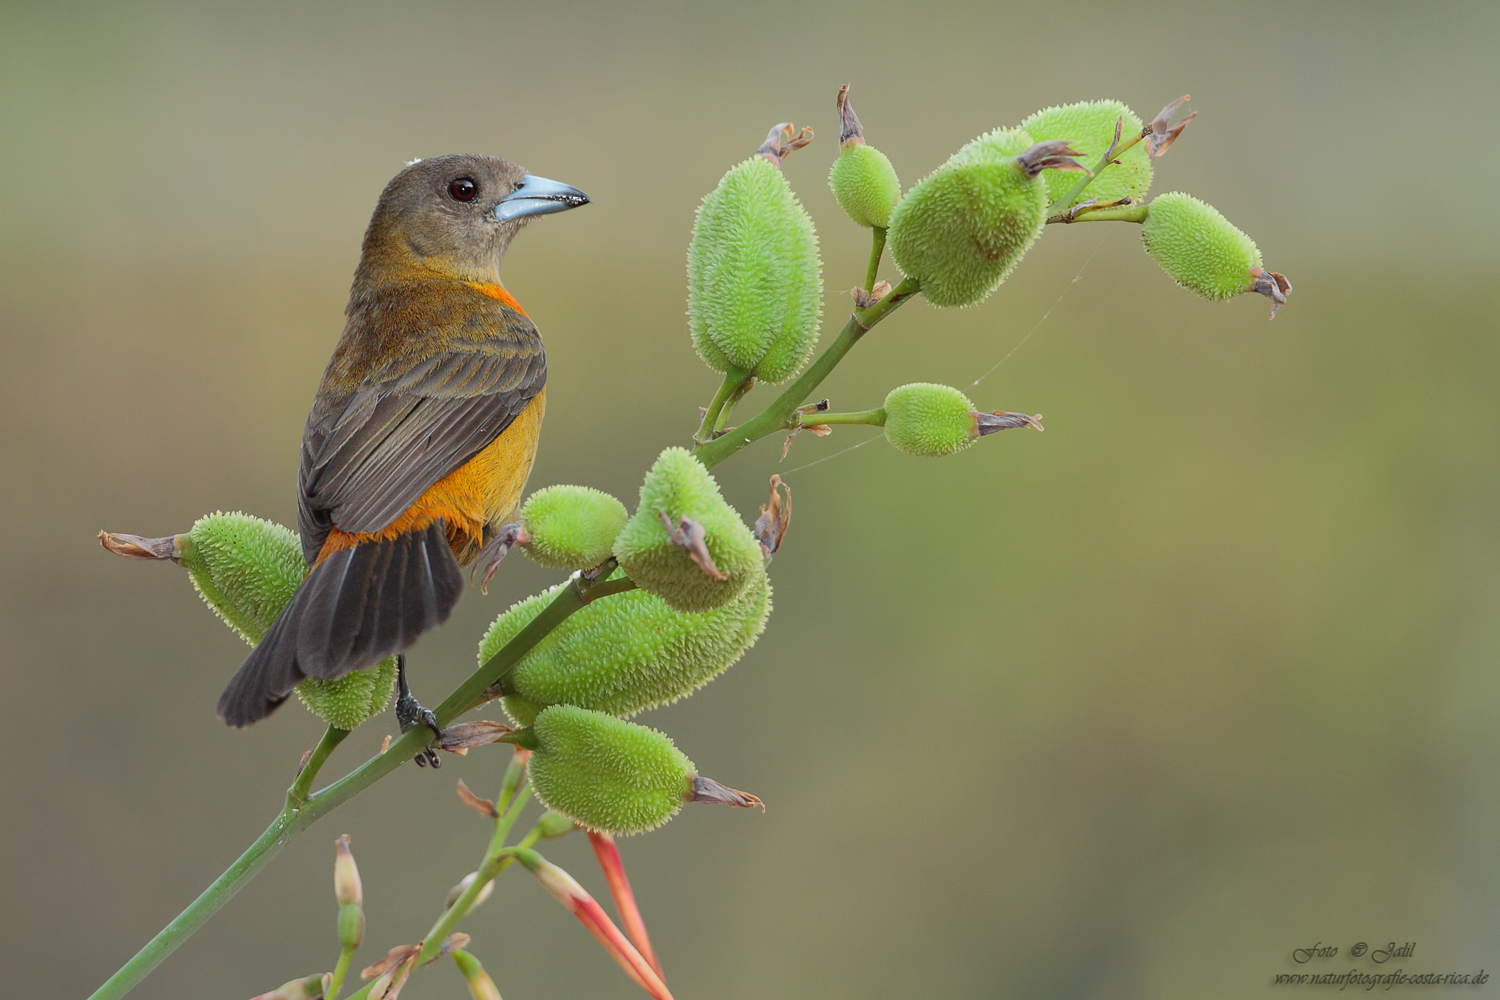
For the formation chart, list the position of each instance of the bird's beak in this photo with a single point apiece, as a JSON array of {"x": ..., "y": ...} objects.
[{"x": 538, "y": 196}]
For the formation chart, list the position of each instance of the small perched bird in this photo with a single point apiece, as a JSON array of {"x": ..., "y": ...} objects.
[{"x": 422, "y": 432}]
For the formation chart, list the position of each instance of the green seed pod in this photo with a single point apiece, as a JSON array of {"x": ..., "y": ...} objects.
[
  {"x": 938, "y": 420},
  {"x": 607, "y": 774},
  {"x": 755, "y": 281},
  {"x": 626, "y": 653},
  {"x": 571, "y": 527},
  {"x": 246, "y": 569},
  {"x": 346, "y": 701},
  {"x": 964, "y": 227},
  {"x": 678, "y": 486},
  {"x": 927, "y": 419},
  {"x": 862, "y": 178},
  {"x": 865, "y": 184},
  {"x": 1200, "y": 248},
  {"x": 1090, "y": 127}
]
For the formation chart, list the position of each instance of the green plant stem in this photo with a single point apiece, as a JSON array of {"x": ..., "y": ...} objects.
[
  {"x": 337, "y": 983},
  {"x": 878, "y": 248},
  {"x": 730, "y": 404},
  {"x": 495, "y": 861},
  {"x": 298, "y": 815},
  {"x": 873, "y": 417},
  {"x": 297, "y": 795},
  {"x": 1067, "y": 200},
  {"x": 1125, "y": 213},
  {"x": 735, "y": 380},
  {"x": 775, "y": 416}
]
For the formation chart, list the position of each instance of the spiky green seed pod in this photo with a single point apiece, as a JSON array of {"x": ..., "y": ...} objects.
[
  {"x": 1090, "y": 127},
  {"x": 680, "y": 487},
  {"x": 754, "y": 277},
  {"x": 938, "y": 420},
  {"x": 571, "y": 527},
  {"x": 626, "y": 653},
  {"x": 607, "y": 774},
  {"x": 927, "y": 419},
  {"x": 1198, "y": 247},
  {"x": 246, "y": 569},
  {"x": 865, "y": 184},
  {"x": 346, "y": 701},
  {"x": 964, "y": 227}
]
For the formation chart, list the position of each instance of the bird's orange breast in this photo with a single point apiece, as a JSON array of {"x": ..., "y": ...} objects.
[{"x": 485, "y": 488}]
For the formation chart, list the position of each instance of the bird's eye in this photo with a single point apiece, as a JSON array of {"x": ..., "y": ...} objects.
[{"x": 463, "y": 189}]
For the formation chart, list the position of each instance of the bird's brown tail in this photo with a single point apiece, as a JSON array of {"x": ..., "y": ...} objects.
[{"x": 355, "y": 608}]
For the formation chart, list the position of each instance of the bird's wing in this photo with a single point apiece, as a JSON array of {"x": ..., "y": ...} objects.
[{"x": 366, "y": 464}]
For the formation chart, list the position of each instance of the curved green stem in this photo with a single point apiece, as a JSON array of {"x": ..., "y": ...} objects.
[
  {"x": 875, "y": 418},
  {"x": 339, "y": 971},
  {"x": 1125, "y": 213},
  {"x": 495, "y": 861},
  {"x": 256, "y": 857},
  {"x": 296, "y": 796},
  {"x": 735, "y": 380},
  {"x": 1067, "y": 200},
  {"x": 873, "y": 271},
  {"x": 774, "y": 417},
  {"x": 301, "y": 812}
]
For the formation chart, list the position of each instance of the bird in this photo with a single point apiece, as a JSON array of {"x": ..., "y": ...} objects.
[{"x": 421, "y": 435}]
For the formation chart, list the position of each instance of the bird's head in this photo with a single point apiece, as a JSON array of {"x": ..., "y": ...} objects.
[{"x": 454, "y": 216}]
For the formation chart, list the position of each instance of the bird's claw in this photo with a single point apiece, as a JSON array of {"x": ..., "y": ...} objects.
[{"x": 411, "y": 713}]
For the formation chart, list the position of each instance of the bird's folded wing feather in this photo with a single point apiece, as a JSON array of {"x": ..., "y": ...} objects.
[{"x": 394, "y": 438}]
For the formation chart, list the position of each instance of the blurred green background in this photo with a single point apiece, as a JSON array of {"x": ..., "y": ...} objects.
[{"x": 1133, "y": 708}]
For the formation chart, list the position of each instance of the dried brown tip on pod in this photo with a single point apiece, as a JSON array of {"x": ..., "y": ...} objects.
[
  {"x": 709, "y": 790},
  {"x": 689, "y": 534},
  {"x": 1160, "y": 133},
  {"x": 461, "y": 737},
  {"x": 1054, "y": 155},
  {"x": 775, "y": 517},
  {"x": 850, "y": 132},
  {"x": 136, "y": 547},
  {"x": 1272, "y": 285},
  {"x": 782, "y": 141},
  {"x": 1001, "y": 420}
]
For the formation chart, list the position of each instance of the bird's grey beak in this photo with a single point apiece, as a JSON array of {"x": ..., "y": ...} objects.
[{"x": 538, "y": 196}]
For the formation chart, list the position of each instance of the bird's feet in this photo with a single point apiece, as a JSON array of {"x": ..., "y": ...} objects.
[{"x": 411, "y": 713}]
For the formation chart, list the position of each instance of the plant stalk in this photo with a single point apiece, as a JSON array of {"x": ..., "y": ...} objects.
[
  {"x": 1125, "y": 213},
  {"x": 873, "y": 417},
  {"x": 299, "y": 813},
  {"x": 734, "y": 380},
  {"x": 495, "y": 861},
  {"x": 775, "y": 416},
  {"x": 878, "y": 247},
  {"x": 339, "y": 971},
  {"x": 1067, "y": 200}
]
